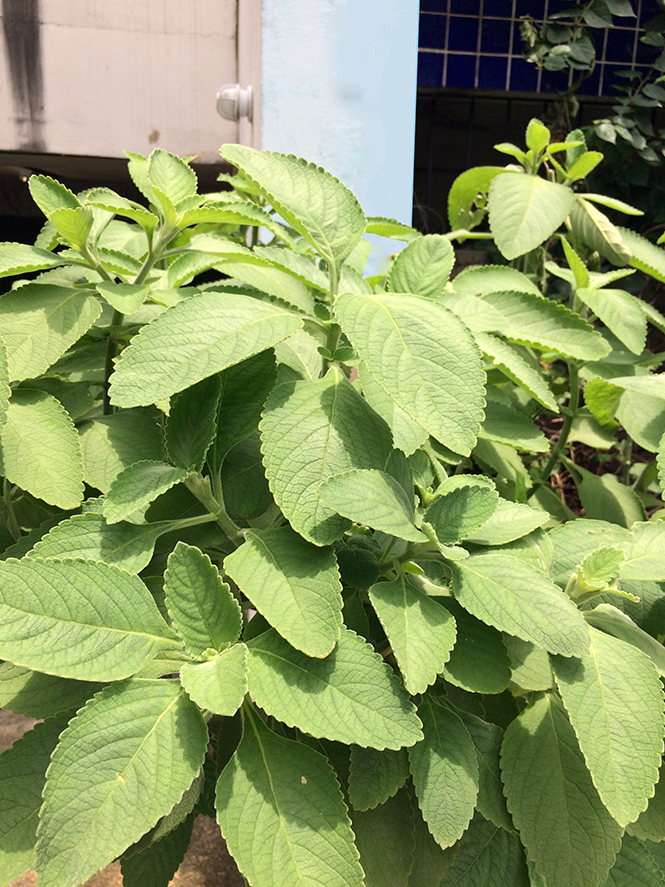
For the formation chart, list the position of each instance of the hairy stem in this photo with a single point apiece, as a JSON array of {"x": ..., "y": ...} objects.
[
  {"x": 111, "y": 351},
  {"x": 200, "y": 487},
  {"x": 10, "y": 515},
  {"x": 571, "y": 413}
]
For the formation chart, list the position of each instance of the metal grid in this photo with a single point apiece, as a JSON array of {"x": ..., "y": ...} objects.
[{"x": 476, "y": 44}]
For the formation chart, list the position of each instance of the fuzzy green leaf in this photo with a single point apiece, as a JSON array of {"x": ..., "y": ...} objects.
[
  {"x": 490, "y": 856},
  {"x": 613, "y": 621},
  {"x": 634, "y": 866},
  {"x": 479, "y": 661},
  {"x": 219, "y": 684},
  {"x": 192, "y": 423},
  {"x": 529, "y": 665},
  {"x": 100, "y": 797},
  {"x": 487, "y": 739},
  {"x": 171, "y": 175},
  {"x": 650, "y": 825},
  {"x": 293, "y": 584},
  {"x": 204, "y": 612},
  {"x": 38, "y": 695},
  {"x": 515, "y": 597},
  {"x": 646, "y": 256},
  {"x": 17, "y": 258},
  {"x": 463, "y": 504},
  {"x": 202, "y": 335},
  {"x": 78, "y": 619},
  {"x": 74, "y": 225},
  {"x": 464, "y": 193},
  {"x": 342, "y": 433},
  {"x": 139, "y": 485},
  {"x": 423, "y": 268},
  {"x": 40, "y": 451},
  {"x": 407, "y": 434},
  {"x": 605, "y": 497},
  {"x": 644, "y": 551},
  {"x": 525, "y": 210},
  {"x": 22, "y": 777},
  {"x": 374, "y": 498},
  {"x": 615, "y": 703},
  {"x": 424, "y": 357},
  {"x": 621, "y": 313},
  {"x": 307, "y": 197},
  {"x": 90, "y": 538},
  {"x": 420, "y": 631},
  {"x": 351, "y": 696},
  {"x": 507, "y": 359},
  {"x": 155, "y": 865},
  {"x": 541, "y": 323},
  {"x": 594, "y": 229},
  {"x": 505, "y": 425},
  {"x": 509, "y": 521},
  {"x": 563, "y": 824},
  {"x": 126, "y": 298},
  {"x": 50, "y": 194},
  {"x": 40, "y": 322},
  {"x": 375, "y": 776},
  {"x": 111, "y": 443},
  {"x": 288, "y": 794},
  {"x": 482, "y": 279},
  {"x": 602, "y": 398},
  {"x": 385, "y": 840},
  {"x": 445, "y": 773}
]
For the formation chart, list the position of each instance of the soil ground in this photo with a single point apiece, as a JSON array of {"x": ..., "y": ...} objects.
[{"x": 206, "y": 864}]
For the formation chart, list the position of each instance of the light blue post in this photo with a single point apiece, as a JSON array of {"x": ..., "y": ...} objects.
[{"x": 339, "y": 87}]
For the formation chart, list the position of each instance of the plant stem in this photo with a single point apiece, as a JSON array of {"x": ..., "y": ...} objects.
[
  {"x": 10, "y": 515},
  {"x": 571, "y": 413},
  {"x": 199, "y": 486},
  {"x": 111, "y": 351}
]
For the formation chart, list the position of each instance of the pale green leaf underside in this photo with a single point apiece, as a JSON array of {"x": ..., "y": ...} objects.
[
  {"x": 39, "y": 322},
  {"x": 40, "y": 451},
  {"x": 202, "y": 335},
  {"x": 423, "y": 268},
  {"x": 351, "y": 696},
  {"x": 645, "y": 255},
  {"x": 513, "y": 365},
  {"x": 307, "y": 197},
  {"x": 540, "y": 323},
  {"x": 78, "y": 619},
  {"x": 294, "y": 584},
  {"x": 137, "y": 486},
  {"x": 510, "y": 521},
  {"x": 407, "y": 434},
  {"x": 342, "y": 432},
  {"x": 101, "y": 796},
  {"x": 385, "y": 840},
  {"x": 420, "y": 631},
  {"x": 202, "y": 608},
  {"x": 445, "y": 773},
  {"x": 621, "y": 313},
  {"x": 18, "y": 258},
  {"x": 89, "y": 537},
  {"x": 515, "y": 597},
  {"x": 111, "y": 443},
  {"x": 465, "y": 503},
  {"x": 218, "y": 684},
  {"x": 282, "y": 814},
  {"x": 525, "y": 210},
  {"x": 482, "y": 279},
  {"x": 563, "y": 824},
  {"x": 615, "y": 703},
  {"x": 424, "y": 357},
  {"x": 375, "y": 776},
  {"x": 374, "y": 498},
  {"x": 22, "y": 776}
]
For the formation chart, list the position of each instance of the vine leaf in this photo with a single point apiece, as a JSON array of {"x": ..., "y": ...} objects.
[
  {"x": 614, "y": 699},
  {"x": 99, "y": 798},
  {"x": 424, "y": 357},
  {"x": 567, "y": 832},
  {"x": 78, "y": 619},
  {"x": 445, "y": 773},
  {"x": 202, "y": 335},
  {"x": 202, "y": 608},
  {"x": 351, "y": 696},
  {"x": 421, "y": 631},
  {"x": 295, "y": 585}
]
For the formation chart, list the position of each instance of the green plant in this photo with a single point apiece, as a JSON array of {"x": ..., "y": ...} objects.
[{"x": 268, "y": 553}]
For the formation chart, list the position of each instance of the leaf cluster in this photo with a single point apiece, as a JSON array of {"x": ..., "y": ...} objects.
[{"x": 282, "y": 547}]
